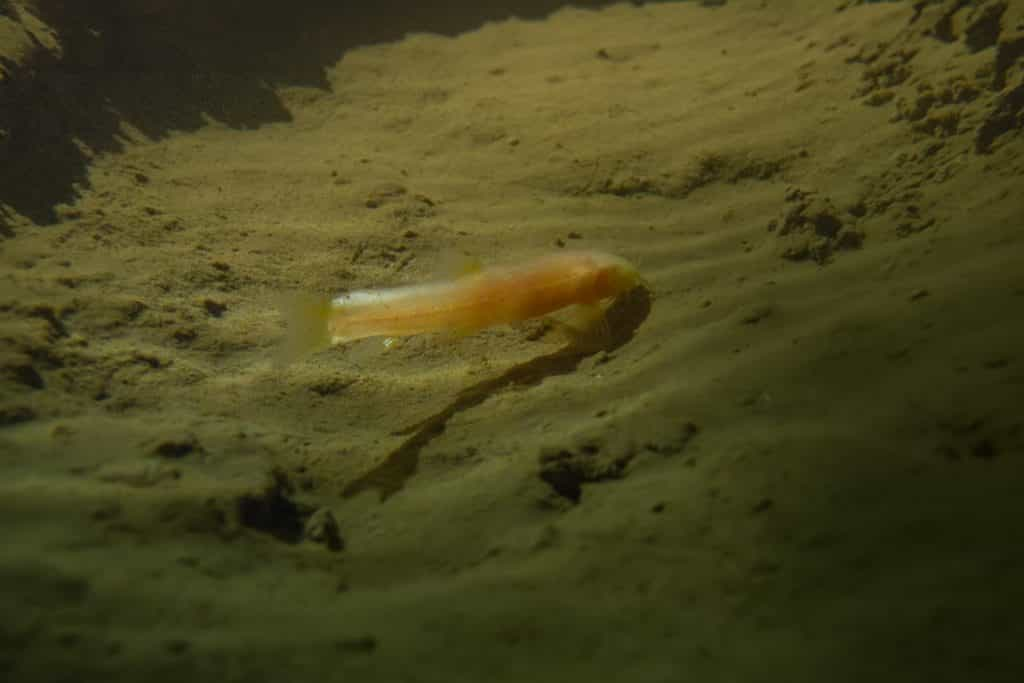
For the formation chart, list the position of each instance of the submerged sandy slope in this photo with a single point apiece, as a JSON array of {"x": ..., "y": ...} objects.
[{"x": 802, "y": 462}]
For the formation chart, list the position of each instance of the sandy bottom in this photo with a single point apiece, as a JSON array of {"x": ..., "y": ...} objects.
[{"x": 802, "y": 459}]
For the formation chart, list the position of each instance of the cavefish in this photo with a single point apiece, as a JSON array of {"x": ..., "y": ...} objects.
[{"x": 479, "y": 299}]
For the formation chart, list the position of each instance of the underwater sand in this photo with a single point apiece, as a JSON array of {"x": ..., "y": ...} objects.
[{"x": 801, "y": 459}]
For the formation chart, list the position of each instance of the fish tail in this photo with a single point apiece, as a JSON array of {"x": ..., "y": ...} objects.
[{"x": 306, "y": 318}]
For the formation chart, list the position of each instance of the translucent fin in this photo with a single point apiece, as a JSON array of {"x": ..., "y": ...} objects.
[
  {"x": 583, "y": 325},
  {"x": 456, "y": 334},
  {"x": 306, "y": 319},
  {"x": 468, "y": 266},
  {"x": 455, "y": 266}
]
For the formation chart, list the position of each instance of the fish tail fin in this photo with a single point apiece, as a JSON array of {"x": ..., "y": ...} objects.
[{"x": 306, "y": 318}]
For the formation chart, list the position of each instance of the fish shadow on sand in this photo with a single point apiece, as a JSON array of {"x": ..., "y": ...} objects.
[{"x": 624, "y": 317}]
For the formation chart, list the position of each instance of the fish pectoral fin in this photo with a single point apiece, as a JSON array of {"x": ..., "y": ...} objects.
[
  {"x": 587, "y": 318},
  {"x": 455, "y": 334},
  {"x": 583, "y": 325}
]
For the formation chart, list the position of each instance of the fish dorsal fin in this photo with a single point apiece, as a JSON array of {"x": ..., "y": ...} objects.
[
  {"x": 454, "y": 264},
  {"x": 468, "y": 266},
  {"x": 457, "y": 265}
]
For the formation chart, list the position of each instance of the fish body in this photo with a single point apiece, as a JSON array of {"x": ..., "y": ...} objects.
[{"x": 481, "y": 299}]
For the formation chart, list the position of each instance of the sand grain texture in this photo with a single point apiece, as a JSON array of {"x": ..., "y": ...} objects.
[{"x": 800, "y": 460}]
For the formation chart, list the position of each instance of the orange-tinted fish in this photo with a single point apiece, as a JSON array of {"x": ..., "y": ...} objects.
[{"x": 485, "y": 298}]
